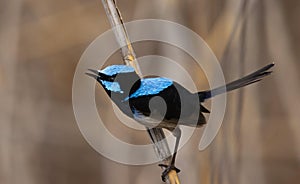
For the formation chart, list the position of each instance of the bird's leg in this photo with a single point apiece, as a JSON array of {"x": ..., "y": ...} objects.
[{"x": 177, "y": 134}]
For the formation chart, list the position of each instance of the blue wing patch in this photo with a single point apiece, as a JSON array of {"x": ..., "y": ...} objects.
[
  {"x": 112, "y": 86},
  {"x": 151, "y": 86},
  {"x": 116, "y": 69}
]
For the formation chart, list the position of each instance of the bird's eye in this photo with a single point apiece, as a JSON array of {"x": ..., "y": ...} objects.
[
  {"x": 111, "y": 79},
  {"x": 108, "y": 78}
]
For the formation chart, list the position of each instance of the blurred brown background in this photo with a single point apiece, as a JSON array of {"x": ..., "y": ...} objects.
[{"x": 42, "y": 41}]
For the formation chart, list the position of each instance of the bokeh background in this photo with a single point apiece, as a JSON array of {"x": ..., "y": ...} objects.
[{"x": 41, "y": 42}]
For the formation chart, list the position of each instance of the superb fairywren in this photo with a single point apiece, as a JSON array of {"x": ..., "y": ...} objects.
[{"x": 134, "y": 95}]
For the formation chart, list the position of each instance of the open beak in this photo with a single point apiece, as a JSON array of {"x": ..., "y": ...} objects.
[
  {"x": 98, "y": 75},
  {"x": 92, "y": 75}
]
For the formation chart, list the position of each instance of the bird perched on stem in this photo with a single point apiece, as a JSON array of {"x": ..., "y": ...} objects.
[{"x": 174, "y": 106}]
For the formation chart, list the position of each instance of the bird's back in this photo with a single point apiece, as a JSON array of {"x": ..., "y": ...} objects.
[{"x": 174, "y": 102}]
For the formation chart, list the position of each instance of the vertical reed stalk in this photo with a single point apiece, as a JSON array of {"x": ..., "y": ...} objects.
[{"x": 156, "y": 134}]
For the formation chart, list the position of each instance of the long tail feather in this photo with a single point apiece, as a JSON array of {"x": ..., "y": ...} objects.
[{"x": 247, "y": 80}]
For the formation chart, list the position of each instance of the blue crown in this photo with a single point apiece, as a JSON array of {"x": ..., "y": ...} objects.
[{"x": 116, "y": 69}]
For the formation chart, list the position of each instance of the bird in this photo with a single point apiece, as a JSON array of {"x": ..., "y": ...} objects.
[{"x": 133, "y": 95}]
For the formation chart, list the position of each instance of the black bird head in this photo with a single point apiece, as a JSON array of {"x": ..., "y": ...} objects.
[{"x": 117, "y": 79}]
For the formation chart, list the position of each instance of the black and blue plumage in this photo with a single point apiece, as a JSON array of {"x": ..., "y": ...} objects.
[{"x": 133, "y": 96}]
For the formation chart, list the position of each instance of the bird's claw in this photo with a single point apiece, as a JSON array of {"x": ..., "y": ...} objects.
[{"x": 167, "y": 170}]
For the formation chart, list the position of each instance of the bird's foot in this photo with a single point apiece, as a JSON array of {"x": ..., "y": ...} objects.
[{"x": 167, "y": 170}]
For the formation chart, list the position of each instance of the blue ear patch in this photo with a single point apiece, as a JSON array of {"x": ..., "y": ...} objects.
[
  {"x": 151, "y": 86},
  {"x": 116, "y": 69},
  {"x": 112, "y": 86}
]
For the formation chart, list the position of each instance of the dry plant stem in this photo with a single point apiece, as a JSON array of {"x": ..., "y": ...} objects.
[
  {"x": 156, "y": 134},
  {"x": 120, "y": 32}
]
